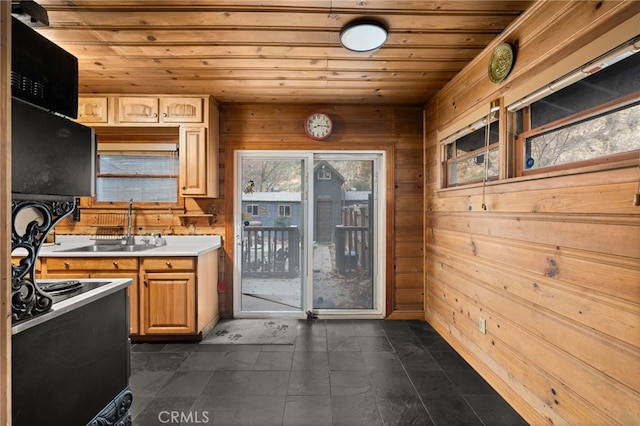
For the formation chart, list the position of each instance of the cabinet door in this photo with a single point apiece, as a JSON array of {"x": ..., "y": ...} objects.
[
  {"x": 137, "y": 110},
  {"x": 181, "y": 110},
  {"x": 193, "y": 161},
  {"x": 93, "y": 109},
  {"x": 168, "y": 303}
]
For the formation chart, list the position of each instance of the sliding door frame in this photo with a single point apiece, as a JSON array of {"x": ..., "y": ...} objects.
[{"x": 379, "y": 274}]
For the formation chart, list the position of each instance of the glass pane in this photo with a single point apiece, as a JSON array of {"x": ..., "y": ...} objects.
[
  {"x": 476, "y": 139},
  {"x": 472, "y": 169},
  {"x": 343, "y": 230},
  {"x": 138, "y": 164},
  {"x": 614, "y": 82},
  {"x": 140, "y": 189},
  {"x": 271, "y": 239},
  {"x": 144, "y": 189},
  {"x": 608, "y": 134}
]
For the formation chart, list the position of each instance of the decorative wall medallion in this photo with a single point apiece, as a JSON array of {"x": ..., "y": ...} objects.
[{"x": 501, "y": 62}]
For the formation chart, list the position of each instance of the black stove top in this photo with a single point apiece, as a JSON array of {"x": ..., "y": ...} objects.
[{"x": 62, "y": 290}]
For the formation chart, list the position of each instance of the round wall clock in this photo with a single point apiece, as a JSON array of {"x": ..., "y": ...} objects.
[
  {"x": 501, "y": 62},
  {"x": 318, "y": 126}
]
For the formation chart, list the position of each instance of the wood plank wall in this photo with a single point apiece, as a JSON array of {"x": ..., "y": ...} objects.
[
  {"x": 5, "y": 214},
  {"x": 396, "y": 130},
  {"x": 553, "y": 265}
]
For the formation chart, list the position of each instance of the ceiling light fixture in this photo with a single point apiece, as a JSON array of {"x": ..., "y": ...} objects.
[{"x": 363, "y": 35}]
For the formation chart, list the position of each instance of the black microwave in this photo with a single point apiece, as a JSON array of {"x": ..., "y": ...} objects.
[{"x": 42, "y": 72}]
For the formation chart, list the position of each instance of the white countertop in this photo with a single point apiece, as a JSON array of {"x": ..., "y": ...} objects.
[
  {"x": 74, "y": 302},
  {"x": 177, "y": 245}
]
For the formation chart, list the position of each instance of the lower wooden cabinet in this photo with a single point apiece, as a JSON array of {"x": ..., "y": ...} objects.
[
  {"x": 170, "y": 296},
  {"x": 92, "y": 267},
  {"x": 168, "y": 303},
  {"x": 178, "y": 295}
]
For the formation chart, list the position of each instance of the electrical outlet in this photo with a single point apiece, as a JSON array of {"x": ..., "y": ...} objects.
[{"x": 482, "y": 324}]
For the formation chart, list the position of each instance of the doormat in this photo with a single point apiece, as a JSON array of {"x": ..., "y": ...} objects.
[{"x": 253, "y": 332}]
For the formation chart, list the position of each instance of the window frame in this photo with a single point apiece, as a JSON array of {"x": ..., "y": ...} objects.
[
  {"x": 521, "y": 139},
  {"x": 449, "y": 142},
  {"x": 324, "y": 174},
  {"x": 286, "y": 207},
  {"x": 253, "y": 207},
  {"x": 158, "y": 204},
  {"x": 138, "y": 140}
]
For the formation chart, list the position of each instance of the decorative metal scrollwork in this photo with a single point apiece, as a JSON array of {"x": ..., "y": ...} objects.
[
  {"x": 116, "y": 413},
  {"x": 26, "y": 298}
]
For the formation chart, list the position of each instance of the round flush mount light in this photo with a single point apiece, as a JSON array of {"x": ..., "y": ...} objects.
[{"x": 363, "y": 35}]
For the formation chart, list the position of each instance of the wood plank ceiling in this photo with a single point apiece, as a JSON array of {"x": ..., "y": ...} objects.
[{"x": 273, "y": 51}]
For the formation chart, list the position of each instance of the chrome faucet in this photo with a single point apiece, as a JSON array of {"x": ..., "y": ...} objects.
[{"x": 130, "y": 238}]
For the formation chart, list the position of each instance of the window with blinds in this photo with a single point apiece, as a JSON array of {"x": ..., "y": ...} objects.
[{"x": 139, "y": 166}]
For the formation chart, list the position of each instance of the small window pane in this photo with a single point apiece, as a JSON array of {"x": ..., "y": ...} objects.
[
  {"x": 472, "y": 169},
  {"x": 614, "y": 82},
  {"x": 611, "y": 133},
  {"x": 284, "y": 210},
  {"x": 465, "y": 156},
  {"x": 324, "y": 174},
  {"x": 252, "y": 209},
  {"x": 476, "y": 139}
]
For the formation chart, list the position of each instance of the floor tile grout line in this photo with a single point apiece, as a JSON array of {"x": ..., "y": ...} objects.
[
  {"x": 444, "y": 370},
  {"x": 409, "y": 377}
]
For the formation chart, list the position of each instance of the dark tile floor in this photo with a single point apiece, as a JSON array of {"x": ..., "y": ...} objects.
[{"x": 339, "y": 372}]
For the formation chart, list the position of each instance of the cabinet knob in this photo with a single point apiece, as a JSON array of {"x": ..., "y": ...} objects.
[
  {"x": 155, "y": 114},
  {"x": 168, "y": 264},
  {"x": 183, "y": 187},
  {"x": 66, "y": 265},
  {"x": 115, "y": 264},
  {"x": 164, "y": 114}
]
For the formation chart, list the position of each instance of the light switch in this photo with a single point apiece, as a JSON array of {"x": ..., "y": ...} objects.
[{"x": 482, "y": 324}]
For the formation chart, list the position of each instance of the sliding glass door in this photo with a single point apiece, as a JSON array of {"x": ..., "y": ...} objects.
[{"x": 308, "y": 234}]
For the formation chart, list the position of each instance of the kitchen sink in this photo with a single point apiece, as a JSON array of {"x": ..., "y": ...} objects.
[
  {"x": 99, "y": 248},
  {"x": 133, "y": 247},
  {"x": 92, "y": 248}
]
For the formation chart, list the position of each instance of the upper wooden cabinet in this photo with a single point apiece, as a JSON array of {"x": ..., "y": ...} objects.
[
  {"x": 193, "y": 161},
  {"x": 181, "y": 110},
  {"x": 93, "y": 109},
  {"x": 196, "y": 116},
  {"x": 199, "y": 159},
  {"x": 135, "y": 110}
]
